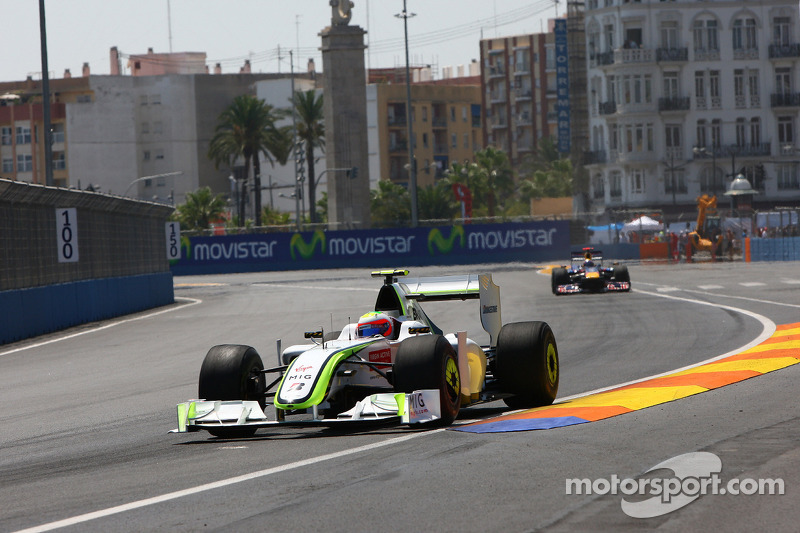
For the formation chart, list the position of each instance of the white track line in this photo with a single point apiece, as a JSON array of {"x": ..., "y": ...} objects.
[{"x": 192, "y": 301}]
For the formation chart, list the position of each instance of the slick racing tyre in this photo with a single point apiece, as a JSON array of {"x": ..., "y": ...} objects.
[
  {"x": 559, "y": 276},
  {"x": 429, "y": 362},
  {"x": 527, "y": 364},
  {"x": 621, "y": 273},
  {"x": 232, "y": 372}
]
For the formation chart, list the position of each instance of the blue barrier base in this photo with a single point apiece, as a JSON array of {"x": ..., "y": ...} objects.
[{"x": 39, "y": 310}]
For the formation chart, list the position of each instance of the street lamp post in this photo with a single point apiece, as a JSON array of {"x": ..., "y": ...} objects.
[{"x": 412, "y": 171}]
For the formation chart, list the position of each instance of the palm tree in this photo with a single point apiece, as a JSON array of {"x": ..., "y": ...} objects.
[
  {"x": 390, "y": 205},
  {"x": 246, "y": 129},
  {"x": 311, "y": 131},
  {"x": 202, "y": 208},
  {"x": 436, "y": 201}
]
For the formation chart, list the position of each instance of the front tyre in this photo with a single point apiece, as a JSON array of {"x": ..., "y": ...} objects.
[
  {"x": 621, "y": 273},
  {"x": 232, "y": 372},
  {"x": 430, "y": 362},
  {"x": 558, "y": 276},
  {"x": 527, "y": 364}
]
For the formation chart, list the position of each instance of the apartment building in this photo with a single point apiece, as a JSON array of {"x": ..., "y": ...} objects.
[
  {"x": 519, "y": 92},
  {"x": 685, "y": 95},
  {"x": 446, "y": 125}
]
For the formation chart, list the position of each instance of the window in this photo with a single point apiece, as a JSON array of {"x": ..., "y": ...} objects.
[
  {"x": 155, "y": 99},
  {"x": 158, "y": 127},
  {"x": 598, "y": 187},
  {"x": 670, "y": 85},
  {"x": 143, "y": 99},
  {"x": 672, "y": 136},
  {"x": 706, "y": 37},
  {"x": 615, "y": 181},
  {"x": 714, "y": 89},
  {"x": 700, "y": 89},
  {"x": 783, "y": 81},
  {"x": 738, "y": 88},
  {"x": 701, "y": 133},
  {"x": 8, "y": 165},
  {"x": 637, "y": 181},
  {"x": 424, "y": 140},
  {"x": 716, "y": 133},
  {"x": 755, "y": 131},
  {"x": 5, "y": 135},
  {"x": 781, "y": 31},
  {"x": 453, "y": 140},
  {"x": 24, "y": 163},
  {"x": 786, "y": 130},
  {"x": 466, "y": 141},
  {"x": 146, "y": 155},
  {"x": 145, "y": 127},
  {"x": 452, "y": 113},
  {"x": 464, "y": 114},
  {"x": 23, "y": 135},
  {"x": 59, "y": 161},
  {"x": 669, "y": 35},
  {"x": 159, "y": 154},
  {"x": 609, "y": 32},
  {"x": 741, "y": 132},
  {"x": 424, "y": 113},
  {"x": 787, "y": 176},
  {"x": 744, "y": 34}
]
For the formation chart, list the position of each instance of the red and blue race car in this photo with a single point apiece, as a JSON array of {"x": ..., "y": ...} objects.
[{"x": 586, "y": 273}]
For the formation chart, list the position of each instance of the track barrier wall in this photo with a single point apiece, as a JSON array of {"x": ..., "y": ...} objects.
[
  {"x": 119, "y": 264},
  {"x": 546, "y": 240}
]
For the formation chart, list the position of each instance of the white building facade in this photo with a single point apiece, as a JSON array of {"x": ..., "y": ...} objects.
[{"x": 683, "y": 95}]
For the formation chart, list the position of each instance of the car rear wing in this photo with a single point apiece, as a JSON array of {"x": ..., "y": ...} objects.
[
  {"x": 461, "y": 287},
  {"x": 578, "y": 257}
]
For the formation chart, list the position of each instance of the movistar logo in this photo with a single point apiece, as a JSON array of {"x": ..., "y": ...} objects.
[
  {"x": 445, "y": 246},
  {"x": 306, "y": 250},
  {"x": 186, "y": 244}
]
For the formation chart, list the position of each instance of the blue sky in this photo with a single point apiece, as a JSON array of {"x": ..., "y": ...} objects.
[{"x": 443, "y": 32}]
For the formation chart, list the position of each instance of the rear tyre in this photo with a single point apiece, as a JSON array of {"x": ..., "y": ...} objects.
[
  {"x": 621, "y": 273},
  {"x": 232, "y": 372},
  {"x": 559, "y": 276},
  {"x": 527, "y": 364},
  {"x": 429, "y": 362}
]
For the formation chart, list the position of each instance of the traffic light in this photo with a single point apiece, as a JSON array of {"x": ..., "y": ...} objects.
[{"x": 353, "y": 173}]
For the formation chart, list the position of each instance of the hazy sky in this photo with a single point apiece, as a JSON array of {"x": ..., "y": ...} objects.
[{"x": 443, "y": 32}]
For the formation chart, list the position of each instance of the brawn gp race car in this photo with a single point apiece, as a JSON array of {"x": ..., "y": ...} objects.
[
  {"x": 586, "y": 273},
  {"x": 393, "y": 365}
]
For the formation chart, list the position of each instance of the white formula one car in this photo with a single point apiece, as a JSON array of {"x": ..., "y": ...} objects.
[{"x": 394, "y": 365}]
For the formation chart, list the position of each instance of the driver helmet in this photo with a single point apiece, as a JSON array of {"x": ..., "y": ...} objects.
[
  {"x": 588, "y": 259},
  {"x": 378, "y": 323}
]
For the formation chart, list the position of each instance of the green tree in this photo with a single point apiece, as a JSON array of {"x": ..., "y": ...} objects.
[
  {"x": 273, "y": 217},
  {"x": 311, "y": 131},
  {"x": 201, "y": 208},
  {"x": 436, "y": 201},
  {"x": 390, "y": 204},
  {"x": 552, "y": 182},
  {"x": 247, "y": 129},
  {"x": 490, "y": 178}
]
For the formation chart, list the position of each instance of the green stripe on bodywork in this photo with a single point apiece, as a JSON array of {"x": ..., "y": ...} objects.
[{"x": 323, "y": 378}]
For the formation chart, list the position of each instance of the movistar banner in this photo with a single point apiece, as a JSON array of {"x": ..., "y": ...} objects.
[{"x": 378, "y": 248}]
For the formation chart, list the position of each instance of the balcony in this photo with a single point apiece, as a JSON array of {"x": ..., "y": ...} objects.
[
  {"x": 398, "y": 146},
  {"x": 745, "y": 53},
  {"x": 674, "y": 103},
  {"x": 778, "y": 51},
  {"x": 633, "y": 55},
  {"x": 672, "y": 54},
  {"x": 497, "y": 72},
  {"x": 397, "y": 121},
  {"x": 606, "y": 58},
  {"x": 607, "y": 108},
  {"x": 439, "y": 122},
  {"x": 749, "y": 150},
  {"x": 785, "y": 100},
  {"x": 595, "y": 157},
  {"x": 523, "y": 93},
  {"x": 706, "y": 54}
]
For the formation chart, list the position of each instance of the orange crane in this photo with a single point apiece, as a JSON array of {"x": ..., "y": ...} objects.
[{"x": 707, "y": 234}]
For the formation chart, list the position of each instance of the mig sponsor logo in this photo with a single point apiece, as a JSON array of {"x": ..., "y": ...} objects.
[{"x": 693, "y": 475}]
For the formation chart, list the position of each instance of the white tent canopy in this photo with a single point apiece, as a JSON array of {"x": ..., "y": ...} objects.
[{"x": 643, "y": 223}]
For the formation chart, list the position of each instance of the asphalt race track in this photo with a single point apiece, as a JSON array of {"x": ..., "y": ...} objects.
[{"x": 86, "y": 414}]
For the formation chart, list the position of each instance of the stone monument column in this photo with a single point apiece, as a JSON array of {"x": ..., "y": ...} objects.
[{"x": 345, "y": 109}]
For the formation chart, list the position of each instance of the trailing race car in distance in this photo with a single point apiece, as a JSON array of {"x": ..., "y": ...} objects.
[
  {"x": 586, "y": 273},
  {"x": 394, "y": 365}
]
